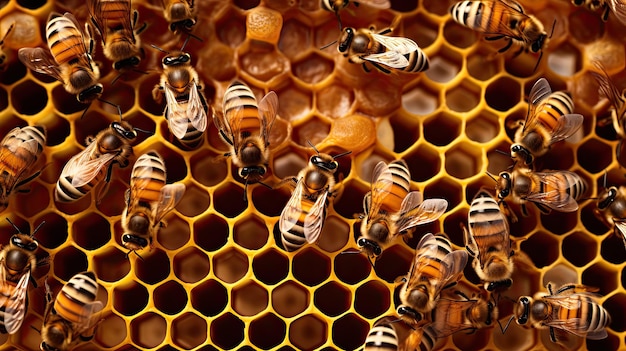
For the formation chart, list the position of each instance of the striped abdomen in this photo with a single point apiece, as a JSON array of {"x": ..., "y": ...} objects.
[
  {"x": 479, "y": 15},
  {"x": 66, "y": 192},
  {"x": 487, "y": 224},
  {"x": 65, "y": 40},
  {"x": 430, "y": 265},
  {"x": 148, "y": 178},
  {"x": 114, "y": 11},
  {"x": 563, "y": 183},
  {"x": 75, "y": 295},
  {"x": 381, "y": 337},
  {"x": 294, "y": 238},
  {"x": 556, "y": 105},
  {"x": 400, "y": 188},
  {"x": 589, "y": 316},
  {"x": 8, "y": 289},
  {"x": 241, "y": 109},
  {"x": 20, "y": 149},
  {"x": 418, "y": 61}
]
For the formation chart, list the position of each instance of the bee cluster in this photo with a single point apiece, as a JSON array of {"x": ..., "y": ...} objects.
[{"x": 274, "y": 174}]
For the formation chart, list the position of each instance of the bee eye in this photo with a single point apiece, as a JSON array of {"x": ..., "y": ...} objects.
[
  {"x": 184, "y": 58},
  {"x": 333, "y": 165}
]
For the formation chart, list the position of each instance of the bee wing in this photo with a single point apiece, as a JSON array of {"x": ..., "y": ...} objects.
[
  {"x": 426, "y": 245},
  {"x": 566, "y": 126},
  {"x": 538, "y": 94},
  {"x": 609, "y": 90},
  {"x": 233, "y": 115},
  {"x": 97, "y": 10},
  {"x": 314, "y": 220},
  {"x": 443, "y": 325},
  {"x": 292, "y": 210},
  {"x": 619, "y": 9},
  {"x": 82, "y": 169},
  {"x": 89, "y": 316},
  {"x": 428, "y": 211},
  {"x": 505, "y": 9},
  {"x": 223, "y": 127},
  {"x": 168, "y": 199},
  {"x": 453, "y": 265},
  {"x": 378, "y": 4},
  {"x": 400, "y": 45},
  {"x": 382, "y": 182},
  {"x": 41, "y": 61},
  {"x": 196, "y": 110},
  {"x": 16, "y": 307},
  {"x": 176, "y": 114},
  {"x": 620, "y": 226},
  {"x": 554, "y": 199},
  {"x": 268, "y": 108}
]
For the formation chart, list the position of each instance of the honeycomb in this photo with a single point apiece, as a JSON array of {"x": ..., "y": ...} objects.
[{"x": 218, "y": 277}]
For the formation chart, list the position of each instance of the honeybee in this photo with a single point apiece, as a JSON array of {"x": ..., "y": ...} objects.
[
  {"x": 303, "y": 217},
  {"x": 17, "y": 262},
  {"x": 186, "y": 108},
  {"x": 20, "y": 150},
  {"x": 3, "y": 55},
  {"x": 391, "y": 334},
  {"x": 245, "y": 126},
  {"x": 337, "y": 5},
  {"x": 452, "y": 316},
  {"x": 381, "y": 337},
  {"x": 180, "y": 14},
  {"x": 71, "y": 318},
  {"x": 87, "y": 169},
  {"x": 148, "y": 200},
  {"x": 435, "y": 267},
  {"x": 611, "y": 210},
  {"x": 390, "y": 209},
  {"x": 549, "y": 120},
  {"x": 571, "y": 308},
  {"x": 556, "y": 190},
  {"x": 68, "y": 59},
  {"x": 385, "y": 53},
  {"x": 502, "y": 19},
  {"x": 120, "y": 38},
  {"x": 487, "y": 241},
  {"x": 617, "y": 6}
]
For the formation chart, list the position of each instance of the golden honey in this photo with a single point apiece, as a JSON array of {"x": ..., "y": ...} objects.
[{"x": 217, "y": 277}]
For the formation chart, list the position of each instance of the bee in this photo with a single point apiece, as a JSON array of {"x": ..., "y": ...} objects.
[
  {"x": 120, "y": 38},
  {"x": 571, "y": 308},
  {"x": 452, "y": 316},
  {"x": 487, "y": 241},
  {"x": 435, "y": 267},
  {"x": 611, "y": 210},
  {"x": 549, "y": 120},
  {"x": 502, "y": 19},
  {"x": 391, "y": 334},
  {"x": 3, "y": 55},
  {"x": 71, "y": 318},
  {"x": 303, "y": 217},
  {"x": 180, "y": 14},
  {"x": 148, "y": 200},
  {"x": 548, "y": 190},
  {"x": 20, "y": 150},
  {"x": 390, "y": 209},
  {"x": 381, "y": 337},
  {"x": 617, "y": 6},
  {"x": 87, "y": 169},
  {"x": 17, "y": 262},
  {"x": 68, "y": 60},
  {"x": 186, "y": 108},
  {"x": 245, "y": 126},
  {"x": 385, "y": 53},
  {"x": 337, "y": 5}
]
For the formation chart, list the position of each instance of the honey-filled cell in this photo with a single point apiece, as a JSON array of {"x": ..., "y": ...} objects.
[{"x": 216, "y": 275}]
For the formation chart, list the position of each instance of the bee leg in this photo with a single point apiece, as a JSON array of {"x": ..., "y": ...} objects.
[
  {"x": 462, "y": 294},
  {"x": 552, "y": 336},
  {"x": 607, "y": 10},
  {"x": 507, "y": 46},
  {"x": 367, "y": 70},
  {"x": 157, "y": 93},
  {"x": 495, "y": 37},
  {"x": 381, "y": 68}
]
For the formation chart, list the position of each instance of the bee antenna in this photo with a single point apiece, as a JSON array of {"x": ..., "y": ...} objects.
[
  {"x": 85, "y": 111},
  {"x": 341, "y": 154},
  {"x": 143, "y": 131},
  {"x": 245, "y": 191},
  {"x": 119, "y": 109},
  {"x": 37, "y": 229},
  {"x": 491, "y": 176},
  {"x": 182, "y": 48},
  {"x": 328, "y": 45},
  {"x": 313, "y": 146},
  {"x": 502, "y": 152},
  {"x": 506, "y": 327},
  {"x": 266, "y": 185},
  {"x": 158, "y": 48},
  {"x": 14, "y": 226},
  {"x": 37, "y": 330},
  {"x": 115, "y": 79},
  {"x": 7, "y": 34},
  {"x": 604, "y": 179}
]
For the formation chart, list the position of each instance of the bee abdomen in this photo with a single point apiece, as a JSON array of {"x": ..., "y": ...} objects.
[
  {"x": 294, "y": 238},
  {"x": 418, "y": 61},
  {"x": 64, "y": 47},
  {"x": 66, "y": 192},
  {"x": 237, "y": 96},
  {"x": 80, "y": 290},
  {"x": 149, "y": 176},
  {"x": 380, "y": 338},
  {"x": 558, "y": 104}
]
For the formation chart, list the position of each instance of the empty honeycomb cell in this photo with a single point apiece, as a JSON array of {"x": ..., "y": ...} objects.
[
  {"x": 4, "y": 99},
  {"x": 209, "y": 298},
  {"x": 270, "y": 266},
  {"x": 612, "y": 248},
  {"x": 444, "y": 188},
  {"x": 210, "y": 232},
  {"x": 15, "y": 71},
  {"x": 594, "y": 156},
  {"x": 294, "y": 103},
  {"x": 335, "y": 100},
  {"x": 174, "y": 233},
  {"x": 91, "y": 231},
  {"x": 445, "y": 66},
  {"x": 230, "y": 265},
  {"x": 612, "y": 342},
  {"x": 424, "y": 162},
  {"x": 32, "y": 5},
  {"x": 123, "y": 96},
  {"x": 267, "y": 331},
  {"x": 37, "y": 98},
  {"x": 246, "y": 4},
  {"x": 542, "y": 248},
  {"x": 295, "y": 40},
  {"x": 351, "y": 200},
  {"x": 615, "y": 303},
  {"x": 154, "y": 267},
  {"x": 576, "y": 240},
  {"x": 131, "y": 298},
  {"x": 346, "y": 264},
  {"x": 170, "y": 297},
  {"x": 378, "y": 99},
  {"x": 420, "y": 101},
  {"x": 483, "y": 65},
  {"x": 503, "y": 93},
  {"x": 111, "y": 331},
  {"x": 601, "y": 276},
  {"x": 54, "y": 233},
  {"x": 459, "y": 36},
  {"x": 231, "y": 28},
  {"x": 313, "y": 68},
  {"x": 483, "y": 128},
  {"x": 69, "y": 261},
  {"x": 289, "y": 299},
  {"x": 67, "y": 103},
  {"x": 191, "y": 265},
  {"x": 308, "y": 332},
  {"x": 332, "y": 299},
  {"x": 394, "y": 262},
  {"x": 207, "y": 168},
  {"x": 148, "y": 330},
  {"x": 113, "y": 201},
  {"x": 232, "y": 207},
  {"x": 250, "y": 233},
  {"x": 464, "y": 97},
  {"x": 288, "y": 165},
  {"x": 249, "y": 299},
  {"x": 349, "y": 331},
  {"x": 590, "y": 221},
  {"x": 372, "y": 299},
  {"x": 227, "y": 331},
  {"x": 310, "y": 266},
  {"x": 558, "y": 157},
  {"x": 565, "y": 60},
  {"x": 313, "y": 130},
  {"x": 335, "y": 234},
  {"x": 403, "y": 129},
  {"x": 472, "y": 341},
  {"x": 31, "y": 199},
  {"x": 463, "y": 160},
  {"x": 262, "y": 61},
  {"x": 559, "y": 222},
  {"x": 111, "y": 265}
]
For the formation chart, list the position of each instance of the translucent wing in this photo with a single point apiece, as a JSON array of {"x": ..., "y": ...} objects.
[
  {"x": 554, "y": 199},
  {"x": 82, "y": 168},
  {"x": 180, "y": 113},
  {"x": 619, "y": 9},
  {"x": 620, "y": 226},
  {"x": 538, "y": 94},
  {"x": 168, "y": 199},
  {"x": 88, "y": 316},
  {"x": 233, "y": 116},
  {"x": 444, "y": 323},
  {"x": 502, "y": 9},
  {"x": 121, "y": 8},
  {"x": 41, "y": 61},
  {"x": 16, "y": 305},
  {"x": 379, "y": 4},
  {"x": 401, "y": 45},
  {"x": 314, "y": 220},
  {"x": 609, "y": 90},
  {"x": 268, "y": 108},
  {"x": 566, "y": 126},
  {"x": 426, "y": 212},
  {"x": 196, "y": 110},
  {"x": 454, "y": 263},
  {"x": 382, "y": 182},
  {"x": 291, "y": 213}
]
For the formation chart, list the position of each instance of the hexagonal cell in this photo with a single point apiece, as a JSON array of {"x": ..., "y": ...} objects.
[
  {"x": 611, "y": 250},
  {"x": 612, "y": 343},
  {"x": 352, "y": 267},
  {"x": 594, "y": 155},
  {"x": 601, "y": 276},
  {"x": 350, "y": 203},
  {"x": 154, "y": 267},
  {"x": 459, "y": 36},
  {"x": 420, "y": 101},
  {"x": 270, "y": 202},
  {"x": 445, "y": 66},
  {"x": 302, "y": 263},
  {"x": 262, "y": 61},
  {"x": 503, "y": 93},
  {"x": 91, "y": 231},
  {"x": 267, "y": 331},
  {"x": 560, "y": 222},
  {"x": 148, "y": 330},
  {"x": 335, "y": 234},
  {"x": 585, "y": 26},
  {"x": 379, "y": 99},
  {"x": 463, "y": 160},
  {"x": 189, "y": 331},
  {"x": 37, "y": 98},
  {"x": 250, "y": 232},
  {"x": 113, "y": 202},
  {"x": 123, "y": 96},
  {"x": 270, "y": 266},
  {"x": 175, "y": 234},
  {"x": 111, "y": 265},
  {"x": 207, "y": 168},
  {"x": 424, "y": 162},
  {"x": 288, "y": 165},
  {"x": 483, "y": 65},
  {"x": 542, "y": 248},
  {"x": 313, "y": 130},
  {"x": 191, "y": 265},
  {"x": 394, "y": 262},
  {"x": 213, "y": 306},
  {"x": 227, "y": 331},
  {"x": 54, "y": 234},
  {"x": 332, "y": 299},
  {"x": 230, "y": 29},
  {"x": 565, "y": 60},
  {"x": 32, "y": 202},
  {"x": 295, "y": 38},
  {"x": 335, "y": 100},
  {"x": 483, "y": 128},
  {"x": 372, "y": 299},
  {"x": 445, "y": 188},
  {"x": 130, "y": 298},
  {"x": 434, "y": 127},
  {"x": 290, "y": 299},
  {"x": 170, "y": 297},
  {"x": 146, "y": 101},
  {"x": 249, "y": 299},
  {"x": 498, "y": 160},
  {"x": 69, "y": 261},
  {"x": 225, "y": 206},
  {"x": 111, "y": 331},
  {"x": 358, "y": 331},
  {"x": 308, "y": 332},
  {"x": 463, "y": 97},
  {"x": 313, "y": 68},
  {"x": 230, "y": 265},
  {"x": 210, "y": 232},
  {"x": 576, "y": 240}
]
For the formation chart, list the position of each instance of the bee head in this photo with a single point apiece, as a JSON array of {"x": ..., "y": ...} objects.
[
  {"x": 25, "y": 242},
  {"x": 91, "y": 93},
  {"x": 132, "y": 61},
  {"x": 134, "y": 242},
  {"x": 252, "y": 174},
  {"x": 176, "y": 59},
  {"x": 408, "y": 314},
  {"x": 346, "y": 39},
  {"x": 522, "y": 310},
  {"x": 124, "y": 129},
  {"x": 518, "y": 151},
  {"x": 504, "y": 185},
  {"x": 55, "y": 337},
  {"x": 371, "y": 248},
  {"x": 607, "y": 198}
]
